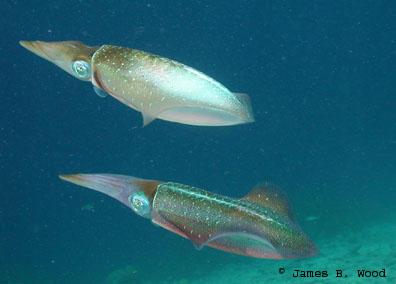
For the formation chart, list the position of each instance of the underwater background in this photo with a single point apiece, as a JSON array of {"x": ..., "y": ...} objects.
[{"x": 322, "y": 79}]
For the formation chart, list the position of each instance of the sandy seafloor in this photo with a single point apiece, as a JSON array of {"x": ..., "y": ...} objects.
[{"x": 373, "y": 247}]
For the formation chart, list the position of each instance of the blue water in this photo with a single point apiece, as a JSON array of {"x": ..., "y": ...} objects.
[{"x": 322, "y": 79}]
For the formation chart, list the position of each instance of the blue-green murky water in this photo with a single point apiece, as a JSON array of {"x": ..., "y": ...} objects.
[{"x": 321, "y": 76}]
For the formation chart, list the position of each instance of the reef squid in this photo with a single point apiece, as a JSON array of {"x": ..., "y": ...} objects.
[
  {"x": 156, "y": 86},
  {"x": 260, "y": 224}
]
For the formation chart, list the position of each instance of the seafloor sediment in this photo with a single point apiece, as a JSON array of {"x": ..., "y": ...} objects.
[{"x": 371, "y": 248}]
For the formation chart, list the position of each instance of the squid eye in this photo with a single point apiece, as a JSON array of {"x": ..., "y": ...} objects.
[
  {"x": 140, "y": 204},
  {"x": 82, "y": 69}
]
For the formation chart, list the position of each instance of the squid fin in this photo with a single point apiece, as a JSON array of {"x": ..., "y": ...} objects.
[
  {"x": 270, "y": 196},
  {"x": 100, "y": 92},
  {"x": 245, "y": 100},
  {"x": 147, "y": 119}
]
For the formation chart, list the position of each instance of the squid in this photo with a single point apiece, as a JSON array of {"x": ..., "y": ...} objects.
[
  {"x": 259, "y": 225},
  {"x": 156, "y": 86}
]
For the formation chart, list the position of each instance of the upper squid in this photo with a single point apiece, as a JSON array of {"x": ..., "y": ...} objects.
[{"x": 156, "y": 86}]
